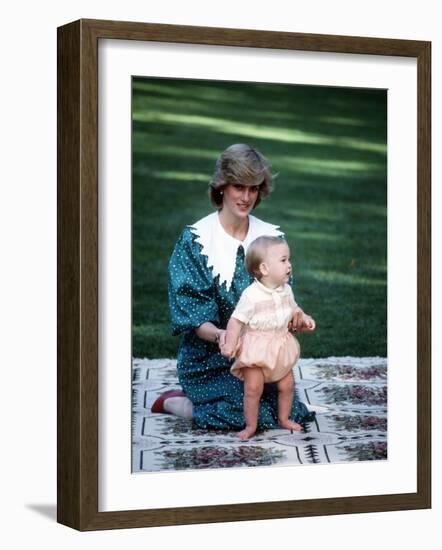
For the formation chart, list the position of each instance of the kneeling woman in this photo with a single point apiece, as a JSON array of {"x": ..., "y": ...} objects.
[{"x": 206, "y": 278}]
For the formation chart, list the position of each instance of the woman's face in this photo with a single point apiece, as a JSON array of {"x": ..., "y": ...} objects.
[{"x": 239, "y": 199}]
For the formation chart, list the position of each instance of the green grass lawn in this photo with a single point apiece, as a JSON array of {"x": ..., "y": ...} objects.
[{"x": 328, "y": 147}]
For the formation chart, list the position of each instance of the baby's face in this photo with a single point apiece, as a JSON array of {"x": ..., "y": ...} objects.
[{"x": 277, "y": 260}]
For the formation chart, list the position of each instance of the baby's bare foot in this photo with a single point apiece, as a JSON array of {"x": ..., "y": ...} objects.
[
  {"x": 289, "y": 425},
  {"x": 246, "y": 433}
]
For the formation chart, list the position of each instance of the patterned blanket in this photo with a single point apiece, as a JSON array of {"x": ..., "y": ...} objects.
[{"x": 350, "y": 425}]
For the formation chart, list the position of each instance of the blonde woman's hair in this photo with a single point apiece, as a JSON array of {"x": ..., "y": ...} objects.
[
  {"x": 240, "y": 164},
  {"x": 257, "y": 251}
]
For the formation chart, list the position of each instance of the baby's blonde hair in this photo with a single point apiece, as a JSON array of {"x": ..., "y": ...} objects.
[{"x": 257, "y": 251}]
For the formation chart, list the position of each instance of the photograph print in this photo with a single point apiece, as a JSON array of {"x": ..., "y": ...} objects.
[{"x": 259, "y": 274}]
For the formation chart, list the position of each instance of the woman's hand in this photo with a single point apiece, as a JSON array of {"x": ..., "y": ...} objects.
[
  {"x": 227, "y": 350},
  {"x": 221, "y": 338},
  {"x": 210, "y": 333},
  {"x": 229, "y": 339}
]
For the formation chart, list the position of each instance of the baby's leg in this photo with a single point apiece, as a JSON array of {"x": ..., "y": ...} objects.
[
  {"x": 253, "y": 387},
  {"x": 286, "y": 387}
]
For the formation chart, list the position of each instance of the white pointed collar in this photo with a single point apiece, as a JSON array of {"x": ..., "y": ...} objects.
[{"x": 221, "y": 248}]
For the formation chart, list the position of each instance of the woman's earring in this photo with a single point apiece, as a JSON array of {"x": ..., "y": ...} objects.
[{"x": 221, "y": 192}]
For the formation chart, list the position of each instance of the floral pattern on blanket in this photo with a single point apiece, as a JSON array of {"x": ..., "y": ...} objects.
[{"x": 350, "y": 426}]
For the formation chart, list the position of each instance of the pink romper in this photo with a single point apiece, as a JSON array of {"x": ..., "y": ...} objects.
[{"x": 266, "y": 341}]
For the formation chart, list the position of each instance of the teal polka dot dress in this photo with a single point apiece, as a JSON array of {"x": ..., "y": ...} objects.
[{"x": 195, "y": 297}]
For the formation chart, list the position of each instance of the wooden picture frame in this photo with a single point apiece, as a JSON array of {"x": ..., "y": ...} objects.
[{"x": 77, "y": 225}]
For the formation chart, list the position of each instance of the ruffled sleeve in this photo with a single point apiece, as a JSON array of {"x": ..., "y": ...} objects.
[{"x": 192, "y": 300}]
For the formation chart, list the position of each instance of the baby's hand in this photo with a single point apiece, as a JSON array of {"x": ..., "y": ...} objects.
[
  {"x": 296, "y": 322},
  {"x": 228, "y": 351},
  {"x": 308, "y": 324}
]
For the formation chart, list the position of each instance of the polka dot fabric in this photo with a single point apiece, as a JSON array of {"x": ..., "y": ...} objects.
[{"x": 195, "y": 297}]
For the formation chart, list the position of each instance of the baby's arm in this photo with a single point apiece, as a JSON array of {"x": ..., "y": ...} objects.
[
  {"x": 308, "y": 324},
  {"x": 297, "y": 318},
  {"x": 301, "y": 322},
  {"x": 233, "y": 331},
  {"x": 241, "y": 316}
]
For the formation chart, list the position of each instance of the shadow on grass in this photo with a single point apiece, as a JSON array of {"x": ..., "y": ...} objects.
[{"x": 328, "y": 147}]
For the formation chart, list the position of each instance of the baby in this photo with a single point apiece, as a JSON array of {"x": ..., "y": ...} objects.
[{"x": 258, "y": 332}]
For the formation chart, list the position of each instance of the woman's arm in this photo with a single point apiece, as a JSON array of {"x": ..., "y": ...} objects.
[
  {"x": 192, "y": 302},
  {"x": 210, "y": 333}
]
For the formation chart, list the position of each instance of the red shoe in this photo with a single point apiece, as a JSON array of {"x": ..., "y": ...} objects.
[{"x": 158, "y": 405}]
